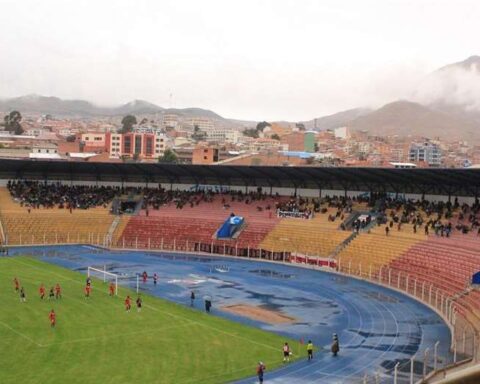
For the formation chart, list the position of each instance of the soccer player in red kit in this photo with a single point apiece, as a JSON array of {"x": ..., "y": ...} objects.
[
  {"x": 16, "y": 284},
  {"x": 145, "y": 277},
  {"x": 42, "y": 291},
  {"x": 53, "y": 318},
  {"x": 88, "y": 289},
  {"x": 128, "y": 304},
  {"x": 111, "y": 289},
  {"x": 58, "y": 291}
]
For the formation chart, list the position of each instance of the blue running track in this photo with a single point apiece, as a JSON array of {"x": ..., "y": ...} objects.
[{"x": 377, "y": 327}]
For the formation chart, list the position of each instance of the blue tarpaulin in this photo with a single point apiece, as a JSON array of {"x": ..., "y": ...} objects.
[
  {"x": 476, "y": 278},
  {"x": 229, "y": 227}
]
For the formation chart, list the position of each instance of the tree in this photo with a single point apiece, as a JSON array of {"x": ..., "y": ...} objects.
[
  {"x": 198, "y": 135},
  {"x": 261, "y": 126},
  {"x": 169, "y": 156},
  {"x": 71, "y": 139},
  {"x": 300, "y": 126},
  {"x": 252, "y": 132},
  {"x": 127, "y": 123},
  {"x": 12, "y": 123},
  {"x": 275, "y": 137}
]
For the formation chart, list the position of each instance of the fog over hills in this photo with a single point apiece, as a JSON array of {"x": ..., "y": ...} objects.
[
  {"x": 445, "y": 104},
  {"x": 456, "y": 84},
  {"x": 81, "y": 108}
]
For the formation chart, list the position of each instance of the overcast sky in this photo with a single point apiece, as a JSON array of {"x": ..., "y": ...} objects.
[{"x": 250, "y": 59}]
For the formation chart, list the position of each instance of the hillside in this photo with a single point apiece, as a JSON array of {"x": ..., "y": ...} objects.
[
  {"x": 336, "y": 120},
  {"x": 36, "y": 104},
  {"x": 405, "y": 118}
]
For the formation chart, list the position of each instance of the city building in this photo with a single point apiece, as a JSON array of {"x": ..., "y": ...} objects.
[
  {"x": 221, "y": 135},
  {"x": 93, "y": 142},
  {"x": 205, "y": 155},
  {"x": 342, "y": 133},
  {"x": 45, "y": 151},
  {"x": 170, "y": 121},
  {"x": 143, "y": 146},
  {"x": 204, "y": 124},
  {"x": 426, "y": 152},
  {"x": 300, "y": 141}
]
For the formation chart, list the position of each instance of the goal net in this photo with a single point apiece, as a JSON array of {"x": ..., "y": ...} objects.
[{"x": 103, "y": 275}]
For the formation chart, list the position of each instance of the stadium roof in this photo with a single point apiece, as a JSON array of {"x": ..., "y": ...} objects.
[{"x": 461, "y": 182}]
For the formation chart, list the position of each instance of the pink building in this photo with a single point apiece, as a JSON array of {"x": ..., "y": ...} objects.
[{"x": 141, "y": 145}]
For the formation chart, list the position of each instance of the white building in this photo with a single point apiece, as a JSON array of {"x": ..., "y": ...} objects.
[
  {"x": 45, "y": 151},
  {"x": 427, "y": 152},
  {"x": 203, "y": 123},
  {"x": 34, "y": 131},
  {"x": 341, "y": 133},
  {"x": 170, "y": 120},
  {"x": 221, "y": 135}
]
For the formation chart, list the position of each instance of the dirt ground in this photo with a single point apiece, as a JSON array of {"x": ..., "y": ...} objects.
[{"x": 258, "y": 313}]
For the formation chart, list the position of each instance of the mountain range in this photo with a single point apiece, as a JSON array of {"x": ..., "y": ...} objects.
[
  {"x": 445, "y": 104},
  {"x": 81, "y": 108}
]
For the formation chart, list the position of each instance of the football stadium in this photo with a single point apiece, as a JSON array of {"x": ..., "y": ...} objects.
[{"x": 167, "y": 273}]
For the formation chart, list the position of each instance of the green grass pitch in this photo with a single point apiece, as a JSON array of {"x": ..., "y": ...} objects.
[{"x": 96, "y": 341}]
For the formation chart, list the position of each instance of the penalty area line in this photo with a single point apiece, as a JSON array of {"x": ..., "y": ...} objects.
[
  {"x": 215, "y": 329},
  {"x": 172, "y": 315},
  {"x": 21, "y": 334}
]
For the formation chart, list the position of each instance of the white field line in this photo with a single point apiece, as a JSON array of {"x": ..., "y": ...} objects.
[
  {"x": 20, "y": 334},
  {"x": 208, "y": 378},
  {"x": 218, "y": 330},
  {"x": 174, "y": 316}
]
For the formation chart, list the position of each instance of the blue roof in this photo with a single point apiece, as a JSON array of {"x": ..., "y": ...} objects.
[{"x": 302, "y": 155}]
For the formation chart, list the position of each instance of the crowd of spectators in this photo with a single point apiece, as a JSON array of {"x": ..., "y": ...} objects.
[
  {"x": 35, "y": 195},
  {"x": 155, "y": 198},
  {"x": 41, "y": 195},
  {"x": 441, "y": 218}
]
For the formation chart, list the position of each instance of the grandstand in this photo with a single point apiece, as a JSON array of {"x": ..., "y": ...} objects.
[
  {"x": 436, "y": 268},
  {"x": 53, "y": 225},
  {"x": 315, "y": 237}
]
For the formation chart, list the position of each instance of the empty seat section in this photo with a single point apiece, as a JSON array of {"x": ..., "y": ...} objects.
[
  {"x": 317, "y": 236},
  {"x": 375, "y": 249}
]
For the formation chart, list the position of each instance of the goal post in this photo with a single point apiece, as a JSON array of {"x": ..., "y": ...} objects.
[{"x": 104, "y": 275}]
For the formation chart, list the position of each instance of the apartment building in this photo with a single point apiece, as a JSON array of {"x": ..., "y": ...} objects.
[
  {"x": 141, "y": 145},
  {"x": 426, "y": 152}
]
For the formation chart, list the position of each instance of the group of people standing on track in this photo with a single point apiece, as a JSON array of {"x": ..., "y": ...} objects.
[{"x": 261, "y": 367}]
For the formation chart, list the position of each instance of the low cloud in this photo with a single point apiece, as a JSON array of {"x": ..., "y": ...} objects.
[{"x": 456, "y": 85}]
